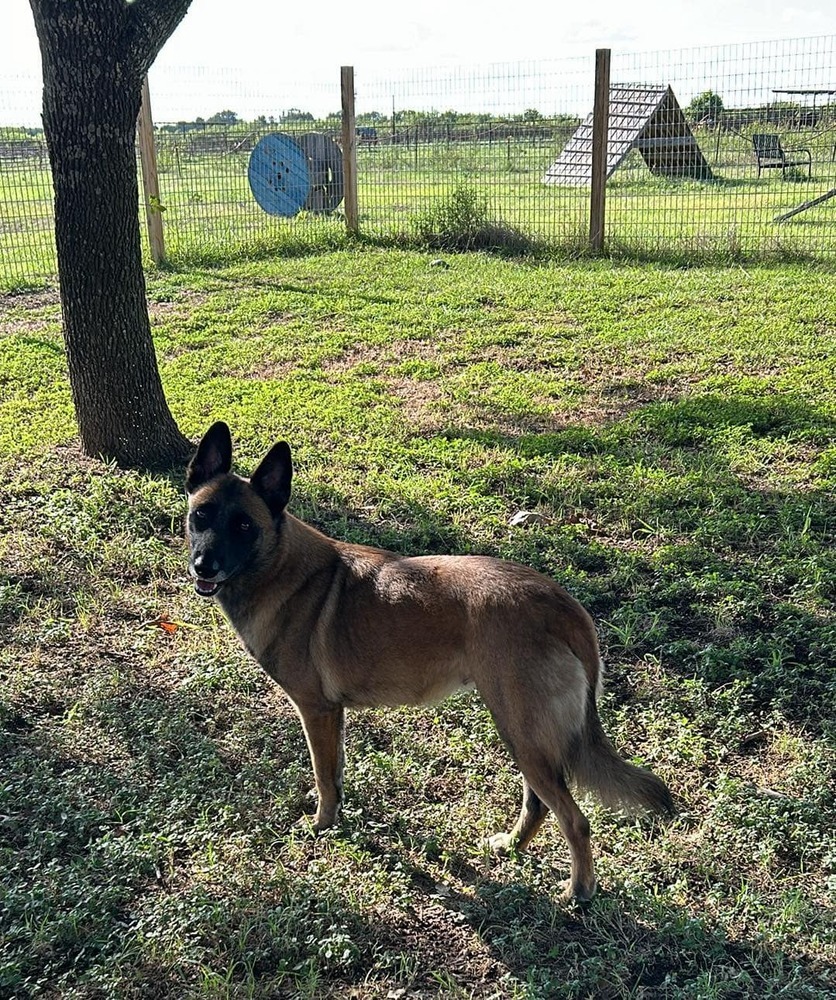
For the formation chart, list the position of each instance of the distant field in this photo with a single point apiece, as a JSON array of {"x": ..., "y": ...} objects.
[
  {"x": 673, "y": 426},
  {"x": 209, "y": 210}
]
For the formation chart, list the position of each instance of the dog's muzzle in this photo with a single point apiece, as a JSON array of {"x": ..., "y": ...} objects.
[
  {"x": 207, "y": 584},
  {"x": 206, "y": 588}
]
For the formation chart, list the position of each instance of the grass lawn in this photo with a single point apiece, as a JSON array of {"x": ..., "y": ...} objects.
[{"x": 674, "y": 427}]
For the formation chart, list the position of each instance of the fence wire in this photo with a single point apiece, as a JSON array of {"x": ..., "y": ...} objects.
[
  {"x": 498, "y": 150},
  {"x": 27, "y": 241}
]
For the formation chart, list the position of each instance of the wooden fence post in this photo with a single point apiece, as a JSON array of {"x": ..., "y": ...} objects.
[
  {"x": 150, "y": 179},
  {"x": 349, "y": 150},
  {"x": 600, "y": 125}
]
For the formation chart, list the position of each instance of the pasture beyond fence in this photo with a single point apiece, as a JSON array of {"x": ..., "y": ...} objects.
[{"x": 506, "y": 150}]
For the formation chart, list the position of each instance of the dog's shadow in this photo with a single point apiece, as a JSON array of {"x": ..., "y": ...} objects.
[{"x": 623, "y": 943}]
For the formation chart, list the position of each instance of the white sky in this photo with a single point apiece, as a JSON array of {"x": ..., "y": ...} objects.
[{"x": 264, "y": 41}]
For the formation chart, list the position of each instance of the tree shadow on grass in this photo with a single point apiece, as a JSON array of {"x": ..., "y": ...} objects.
[
  {"x": 298, "y": 287},
  {"x": 149, "y": 850}
]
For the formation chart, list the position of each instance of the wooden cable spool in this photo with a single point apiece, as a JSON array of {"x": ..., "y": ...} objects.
[
  {"x": 279, "y": 175},
  {"x": 325, "y": 168}
]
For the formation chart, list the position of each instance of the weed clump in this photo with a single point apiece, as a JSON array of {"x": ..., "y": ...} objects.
[{"x": 461, "y": 221}]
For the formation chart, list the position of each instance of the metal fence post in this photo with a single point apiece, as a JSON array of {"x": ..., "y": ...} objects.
[
  {"x": 349, "y": 150},
  {"x": 150, "y": 179},
  {"x": 600, "y": 124}
]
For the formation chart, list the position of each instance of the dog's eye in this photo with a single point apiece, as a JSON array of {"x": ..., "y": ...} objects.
[
  {"x": 244, "y": 524},
  {"x": 203, "y": 515}
]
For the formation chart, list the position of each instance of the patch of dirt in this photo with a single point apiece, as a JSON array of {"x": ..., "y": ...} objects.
[
  {"x": 614, "y": 402},
  {"x": 421, "y": 396},
  {"x": 180, "y": 304},
  {"x": 29, "y": 314},
  {"x": 422, "y": 401},
  {"x": 75, "y": 461},
  {"x": 268, "y": 371},
  {"x": 441, "y": 939},
  {"x": 388, "y": 354},
  {"x": 17, "y": 301}
]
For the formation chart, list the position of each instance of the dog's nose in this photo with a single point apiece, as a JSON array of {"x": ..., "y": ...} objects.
[{"x": 205, "y": 566}]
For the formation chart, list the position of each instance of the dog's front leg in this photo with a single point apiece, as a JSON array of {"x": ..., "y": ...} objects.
[{"x": 325, "y": 732}]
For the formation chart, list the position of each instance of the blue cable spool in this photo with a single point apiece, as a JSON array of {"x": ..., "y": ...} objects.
[{"x": 278, "y": 174}]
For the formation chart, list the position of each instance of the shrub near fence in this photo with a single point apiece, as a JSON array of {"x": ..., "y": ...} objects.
[{"x": 506, "y": 126}]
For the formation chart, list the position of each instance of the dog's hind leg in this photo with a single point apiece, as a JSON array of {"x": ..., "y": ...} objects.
[
  {"x": 531, "y": 817},
  {"x": 549, "y": 783},
  {"x": 325, "y": 734},
  {"x": 545, "y": 787}
]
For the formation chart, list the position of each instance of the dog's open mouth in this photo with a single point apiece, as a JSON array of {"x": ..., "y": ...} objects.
[{"x": 206, "y": 588}]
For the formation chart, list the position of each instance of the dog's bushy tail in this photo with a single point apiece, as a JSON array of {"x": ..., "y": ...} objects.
[{"x": 595, "y": 766}]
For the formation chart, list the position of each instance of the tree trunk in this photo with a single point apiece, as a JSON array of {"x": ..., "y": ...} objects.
[{"x": 92, "y": 89}]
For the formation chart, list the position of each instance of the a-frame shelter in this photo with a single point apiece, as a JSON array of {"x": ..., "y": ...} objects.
[{"x": 648, "y": 119}]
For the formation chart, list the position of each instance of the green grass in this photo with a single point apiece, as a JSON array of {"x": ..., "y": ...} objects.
[{"x": 674, "y": 426}]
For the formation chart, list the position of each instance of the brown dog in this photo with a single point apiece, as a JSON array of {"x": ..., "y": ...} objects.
[{"x": 339, "y": 625}]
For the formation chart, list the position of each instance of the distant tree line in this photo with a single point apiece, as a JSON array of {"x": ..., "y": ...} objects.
[
  {"x": 230, "y": 119},
  {"x": 407, "y": 125},
  {"x": 225, "y": 131},
  {"x": 707, "y": 109}
]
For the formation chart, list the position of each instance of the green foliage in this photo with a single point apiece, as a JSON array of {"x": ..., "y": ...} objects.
[
  {"x": 223, "y": 118},
  {"x": 706, "y": 106},
  {"x": 461, "y": 221},
  {"x": 296, "y": 115},
  {"x": 15, "y": 133},
  {"x": 673, "y": 425}
]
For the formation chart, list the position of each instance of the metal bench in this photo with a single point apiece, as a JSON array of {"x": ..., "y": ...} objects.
[{"x": 771, "y": 154}]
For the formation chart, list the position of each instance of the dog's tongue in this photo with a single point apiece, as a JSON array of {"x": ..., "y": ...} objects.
[{"x": 205, "y": 587}]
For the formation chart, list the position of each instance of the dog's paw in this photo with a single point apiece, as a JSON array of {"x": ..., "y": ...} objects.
[
  {"x": 578, "y": 892},
  {"x": 323, "y": 821},
  {"x": 312, "y": 825},
  {"x": 501, "y": 844}
]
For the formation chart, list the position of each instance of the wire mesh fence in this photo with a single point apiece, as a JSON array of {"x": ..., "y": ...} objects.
[
  {"x": 206, "y": 128},
  {"x": 713, "y": 151},
  {"x": 27, "y": 243},
  {"x": 731, "y": 95}
]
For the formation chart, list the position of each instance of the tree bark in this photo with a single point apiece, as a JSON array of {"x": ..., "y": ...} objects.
[{"x": 95, "y": 55}]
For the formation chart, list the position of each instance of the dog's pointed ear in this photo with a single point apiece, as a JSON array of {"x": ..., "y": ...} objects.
[
  {"x": 271, "y": 480},
  {"x": 212, "y": 458}
]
